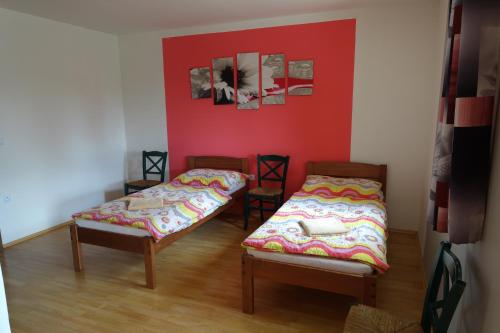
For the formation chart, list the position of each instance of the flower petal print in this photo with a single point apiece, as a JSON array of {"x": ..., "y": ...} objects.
[
  {"x": 267, "y": 79},
  {"x": 223, "y": 75},
  {"x": 248, "y": 73},
  {"x": 220, "y": 63},
  {"x": 242, "y": 98},
  {"x": 229, "y": 92},
  {"x": 220, "y": 85}
]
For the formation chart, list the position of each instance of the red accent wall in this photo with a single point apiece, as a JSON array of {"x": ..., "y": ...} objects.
[{"x": 316, "y": 127}]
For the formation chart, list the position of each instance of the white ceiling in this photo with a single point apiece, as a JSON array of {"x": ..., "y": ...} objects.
[{"x": 133, "y": 16}]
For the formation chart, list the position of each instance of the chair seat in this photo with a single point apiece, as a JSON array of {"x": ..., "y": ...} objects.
[
  {"x": 265, "y": 191},
  {"x": 365, "y": 319},
  {"x": 143, "y": 183}
]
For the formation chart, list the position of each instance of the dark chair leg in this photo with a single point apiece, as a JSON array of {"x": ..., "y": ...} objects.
[
  {"x": 261, "y": 208},
  {"x": 277, "y": 201},
  {"x": 126, "y": 189},
  {"x": 246, "y": 210}
]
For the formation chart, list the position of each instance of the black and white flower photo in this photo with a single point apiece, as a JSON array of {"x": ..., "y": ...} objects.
[
  {"x": 300, "y": 77},
  {"x": 273, "y": 79},
  {"x": 223, "y": 74},
  {"x": 200, "y": 82},
  {"x": 248, "y": 81}
]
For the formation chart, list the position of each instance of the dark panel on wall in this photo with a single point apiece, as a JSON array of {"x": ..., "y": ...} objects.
[{"x": 462, "y": 160}]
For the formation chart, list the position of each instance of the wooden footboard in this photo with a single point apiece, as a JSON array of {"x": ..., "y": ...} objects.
[
  {"x": 144, "y": 245},
  {"x": 363, "y": 287}
]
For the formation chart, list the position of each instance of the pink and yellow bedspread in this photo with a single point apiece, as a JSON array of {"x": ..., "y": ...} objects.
[
  {"x": 182, "y": 207},
  {"x": 365, "y": 241}
]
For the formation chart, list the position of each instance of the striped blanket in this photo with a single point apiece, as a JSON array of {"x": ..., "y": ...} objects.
[
  {"x": 182, "y": 207},
  {"x": 365, "y": 242}
]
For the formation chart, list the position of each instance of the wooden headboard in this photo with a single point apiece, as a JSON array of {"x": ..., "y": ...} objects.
[
  {"x": 376, "y": 172},
  {"x": 218, "y": 162}
]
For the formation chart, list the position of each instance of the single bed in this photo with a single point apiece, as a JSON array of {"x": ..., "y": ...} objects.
[
  {"x": 126, "y": 238},
  {"x": 347, "y": 277}
]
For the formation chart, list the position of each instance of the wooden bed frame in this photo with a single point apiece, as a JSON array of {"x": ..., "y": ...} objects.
[
  {"x": 146, "y": 244},
  {"x": 361, "y": 286}
]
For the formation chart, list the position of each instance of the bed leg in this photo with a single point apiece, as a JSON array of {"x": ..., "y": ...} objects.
[
  {"x": 247, "y": 284},
  {"x": 76, "y": 247},
  {"x": 246, "y": 210},
  {"x": 149, "y": 262},
  {"x": 370, "y": 290}
]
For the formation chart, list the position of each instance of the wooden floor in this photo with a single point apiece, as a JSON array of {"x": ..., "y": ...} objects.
[{"x": 198, "y": 288}]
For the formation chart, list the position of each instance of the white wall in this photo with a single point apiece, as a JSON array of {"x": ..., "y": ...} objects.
[
  {"x": 4, "y": 314},
  {"x": 143, "y": 99},
  {"x": 61, "y": 122},
  {"x": 395, "y": 100},
  {"x": 394, "y": 93}
]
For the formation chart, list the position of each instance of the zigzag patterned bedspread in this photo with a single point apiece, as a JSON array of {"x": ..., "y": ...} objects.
[
  {"x": 182, "y": 207},
  {"x": 365, "y": 242}
]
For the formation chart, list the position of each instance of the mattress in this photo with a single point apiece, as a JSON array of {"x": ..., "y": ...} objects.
[
  {"x": 365, "y": 242},
  {"x": 127, "y": 230},
  {"x": 112, "y": 228},
  {"x": 329, "y": 264}
]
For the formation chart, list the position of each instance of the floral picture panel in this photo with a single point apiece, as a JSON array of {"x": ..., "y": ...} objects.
[
  {"x": 200, "y": 82},
  {"x": 248, "y": 79},
  {"x": 223, "y": 76},
  {"x": 273, "y": 79},
  {"x": 300, "y": 77}
]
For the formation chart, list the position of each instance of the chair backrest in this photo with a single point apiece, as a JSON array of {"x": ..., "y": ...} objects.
[
  {"x": 153, "y": 163},
  {"x": 437, "y": 313},
  {"x": 272, "y": 168}
]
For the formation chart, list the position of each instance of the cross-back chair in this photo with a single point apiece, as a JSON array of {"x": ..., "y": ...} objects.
[
  {"x": 437, "y": 313},
  {"x": 153, "y": 163},
  {"x": 270, "y": 168},
  {"x": 438, "y": 307}
]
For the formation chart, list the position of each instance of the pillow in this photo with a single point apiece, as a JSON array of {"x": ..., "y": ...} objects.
[
  {"x": 142, "y": 203},
  {"x": 343, "y": 187},
  {"x": 323, "y": 226},
  {"x": 222, "y": 179}
]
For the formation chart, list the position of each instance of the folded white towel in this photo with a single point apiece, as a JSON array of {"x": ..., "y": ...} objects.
[
  {"x": 323, "y": 226},
  {"x": 141, "y": 203}
]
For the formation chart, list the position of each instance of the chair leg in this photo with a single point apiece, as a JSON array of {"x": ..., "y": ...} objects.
[
  {"x": 261, "y": 208},
  {"x": 126, "y": 189},
  {"x": 277, "y": 201},
  {"x": 246, "y": 210}
]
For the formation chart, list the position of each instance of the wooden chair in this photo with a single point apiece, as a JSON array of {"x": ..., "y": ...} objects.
[
  {"x": 436, "y": 314},
  {"x": 157, "y": 161},
  {"x": 270, "y": 168}
]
